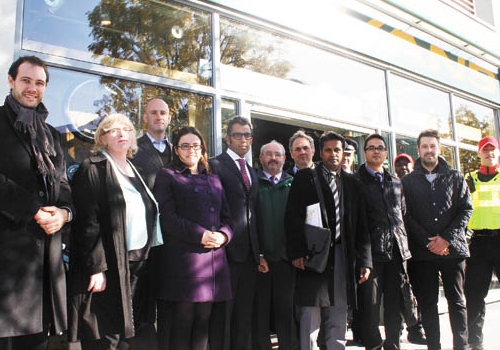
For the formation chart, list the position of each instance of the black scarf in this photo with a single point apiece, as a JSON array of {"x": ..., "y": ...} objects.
[{"x": 31, "y": 121}]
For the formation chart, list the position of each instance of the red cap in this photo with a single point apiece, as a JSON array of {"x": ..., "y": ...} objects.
[
  {"x": 403, "y": 155},
  {"x": 487, "y": 141}
]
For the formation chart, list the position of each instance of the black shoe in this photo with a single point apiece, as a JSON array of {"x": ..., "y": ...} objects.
[
  {"x": 417, "y": 337},
  {"x": 476, "y": 347}
]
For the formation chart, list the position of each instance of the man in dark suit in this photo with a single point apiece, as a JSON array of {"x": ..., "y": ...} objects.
[
  {"x": 154, "y": 149},
  {"x": 35, "y": 204},
  {"x": 322, "y": 299},
  {"x": 231, "y": 321}
]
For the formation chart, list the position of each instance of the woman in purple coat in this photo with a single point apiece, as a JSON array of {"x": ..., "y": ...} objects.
[{"x": 193, "y": 272}]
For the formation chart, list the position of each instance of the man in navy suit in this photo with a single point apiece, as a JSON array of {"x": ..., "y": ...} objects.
[
  {"x": 231, "y": 321},
  {"x": 154, "y": 149}
]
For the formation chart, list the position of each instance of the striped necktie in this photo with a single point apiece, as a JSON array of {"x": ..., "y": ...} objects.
[{"x": 332, "y": 181}]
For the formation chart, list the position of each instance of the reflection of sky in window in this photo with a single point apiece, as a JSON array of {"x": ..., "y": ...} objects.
[{"x": 44, "y": 24}]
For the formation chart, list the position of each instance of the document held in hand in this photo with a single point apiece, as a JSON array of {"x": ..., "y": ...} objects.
[{"x": 313, "y": 215}]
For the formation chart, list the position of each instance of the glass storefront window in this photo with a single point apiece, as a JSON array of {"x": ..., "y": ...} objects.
[
  {"x": 160, "y": 38},
  {"x": 299, "y": 76},
  {"x": 473, "y": 121},
  {"x": 77, "y": 107},
  {"x": 416, "y": 107}
]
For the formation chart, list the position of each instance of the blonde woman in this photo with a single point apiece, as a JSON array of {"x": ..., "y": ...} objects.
[{"x": 116, "y": 226}]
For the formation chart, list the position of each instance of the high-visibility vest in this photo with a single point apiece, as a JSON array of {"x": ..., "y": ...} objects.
[{"x": 485, "y": 203}]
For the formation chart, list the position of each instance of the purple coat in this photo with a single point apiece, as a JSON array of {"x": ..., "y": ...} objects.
[{"x": 189, "y": 205}]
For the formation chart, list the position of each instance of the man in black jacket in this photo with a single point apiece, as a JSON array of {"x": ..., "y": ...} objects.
[
  {"x": 438, "y": 209},
  {"x": 322, "y": 299},
  {"x": 35, "y": 204},
  {"x": 154, "y": 151},
  {"x": 389, "y": 244}
]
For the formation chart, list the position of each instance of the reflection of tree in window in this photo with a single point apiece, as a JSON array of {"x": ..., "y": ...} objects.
[
  {"x": 259, "y": 51},
  {"x": 153, "y": 38}
]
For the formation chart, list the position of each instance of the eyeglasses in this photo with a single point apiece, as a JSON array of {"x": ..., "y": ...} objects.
[
  {"x": 373, "y": 149},
  {"x": 187, "y": 147},
  {"x": 115, "y": 131},
  {"x": 239, "y": 135}
]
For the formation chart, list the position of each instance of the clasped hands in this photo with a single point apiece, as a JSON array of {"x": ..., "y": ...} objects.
[
  {"x": 438, "y": 245},
  {"x": 51, "y": 219},
  {"x": 213, "y": 239}
]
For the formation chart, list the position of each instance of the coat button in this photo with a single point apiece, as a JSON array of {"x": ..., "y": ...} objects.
[
  {"x": 41, "y": 194},
  {"x": 212, "y": 209}
]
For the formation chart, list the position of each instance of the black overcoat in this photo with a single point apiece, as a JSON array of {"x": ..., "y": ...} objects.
[
  {"x": 22, "y": 242},
  {"x": 99, "y": 244},
  {"x": 315, "y": 289}
]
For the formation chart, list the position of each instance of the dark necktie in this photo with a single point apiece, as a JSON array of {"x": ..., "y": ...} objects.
[
  {"x": 333, "y": 186},
  {"x": 243, "y": 169},
  {"x": 380, "y": 177}
]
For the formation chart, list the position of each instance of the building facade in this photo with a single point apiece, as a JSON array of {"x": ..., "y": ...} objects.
[{"x": 354, "y": 66}]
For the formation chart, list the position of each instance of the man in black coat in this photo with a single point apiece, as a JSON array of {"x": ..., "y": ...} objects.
[
  {"x": 35, "y": 204},
  {"x": 322, "y": 299},
  {"x": 154, "y": 151},
  {"x": 438, "y": 209},
  {"x": 389, "y": 244},
  {"x": 231, "y": 321}
]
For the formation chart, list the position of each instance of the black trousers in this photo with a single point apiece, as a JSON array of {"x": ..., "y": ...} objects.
[
  {"x": 231, "y": 321},
  {"x": 274, "y": 304},
  {"x": 424, "y": 276},
  {"x": 484, "y": 258},
  {"x": 37, "y": 341},
  {"x": 385, "y": 280}
]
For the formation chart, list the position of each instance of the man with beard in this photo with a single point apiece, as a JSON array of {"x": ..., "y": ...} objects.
[
  {"x": 438, "y": 208},
  {"x": 274, "y": 292}
]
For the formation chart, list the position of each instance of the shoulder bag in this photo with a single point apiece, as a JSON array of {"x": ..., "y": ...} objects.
[{"x": 319, "y": 239}]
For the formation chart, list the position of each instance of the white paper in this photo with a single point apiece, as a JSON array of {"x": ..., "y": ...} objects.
[{"x": 313, "y": 215}]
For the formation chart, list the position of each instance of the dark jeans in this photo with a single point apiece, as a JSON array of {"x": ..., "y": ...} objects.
[
  {"x": 37, "y": 341},
  {"x": 484, "y": 258},
  {"x": 385, "y": 280},
  {"x": 424, "y": 276}
]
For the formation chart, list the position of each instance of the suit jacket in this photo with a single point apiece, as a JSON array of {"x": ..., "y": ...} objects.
[
  {"x": 23, "y": 244},
  {"x": 315, "y": 289},
  {"x": 148, "y": 160},
  {"x": 243, "y": 207}
]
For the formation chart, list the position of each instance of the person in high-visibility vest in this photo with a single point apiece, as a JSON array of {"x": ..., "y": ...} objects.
[{"x": 484, "y": 185}]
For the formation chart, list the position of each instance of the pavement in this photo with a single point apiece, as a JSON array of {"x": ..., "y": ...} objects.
[{"x": 491, "y": 328}]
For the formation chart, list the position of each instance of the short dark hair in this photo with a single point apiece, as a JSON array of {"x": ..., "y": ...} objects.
[
  {"x": 14, "y": 68},
  {"x": 331, "y": 135},
  {"x": 428, "y": 133},
  {"x": 237, "y": 120},
  {"x": 375, "y": 136},
  {"x": 176, "y": 161}
]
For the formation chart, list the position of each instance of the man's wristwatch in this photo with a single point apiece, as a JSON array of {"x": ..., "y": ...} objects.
[{"x": 70, "y": 214}]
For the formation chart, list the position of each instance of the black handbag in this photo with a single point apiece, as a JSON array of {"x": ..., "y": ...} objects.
[{"x": 319, "y": 239}]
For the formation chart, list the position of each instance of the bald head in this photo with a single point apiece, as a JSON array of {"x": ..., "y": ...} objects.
[{"x": 157, "y": 118}]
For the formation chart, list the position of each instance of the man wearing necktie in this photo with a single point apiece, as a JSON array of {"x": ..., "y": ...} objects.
[
  {"x": 275, "y": 289},
  {"x": 154, "y": 151},
  {"x": 389, "y": 245},
  {"x": 231, "y": 321},
  {"x": 322, "y": 299}
]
